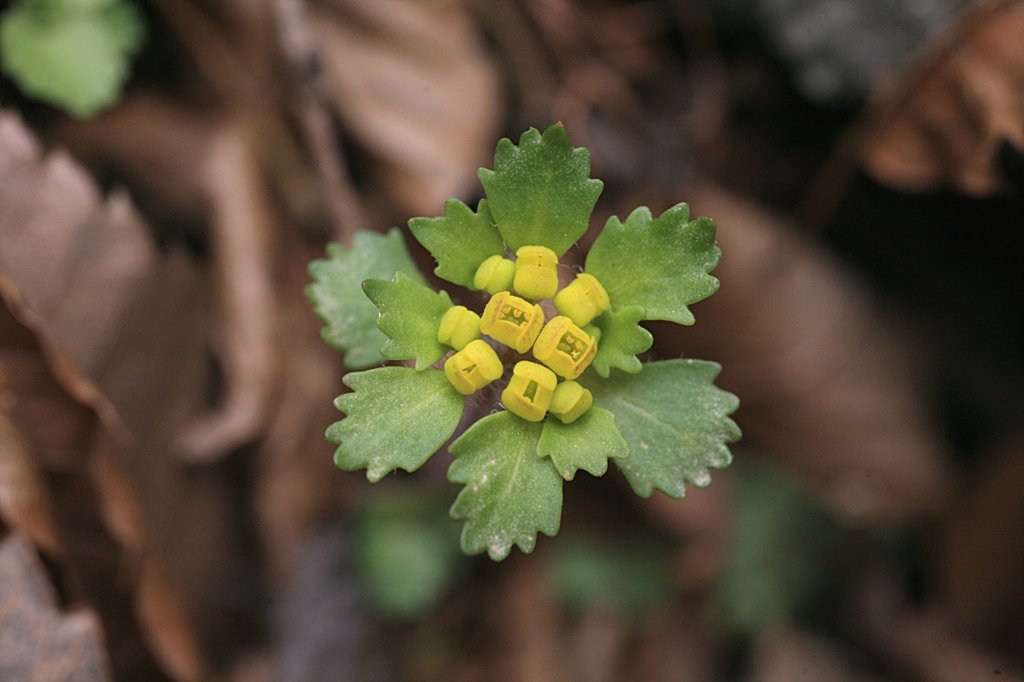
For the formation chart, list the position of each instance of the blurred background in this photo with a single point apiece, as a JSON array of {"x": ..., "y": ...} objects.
[{"x": 170, "y": 510}]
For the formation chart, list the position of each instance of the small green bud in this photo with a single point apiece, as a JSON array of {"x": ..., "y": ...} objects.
[
  {"x": 473, "y": 367},
  {"x": 513, "y": 321},
  {"x": 583, "y": 300},
  {"x": 570, "y": 401},
  {"x": 565, "y": 348},
  {"x": 495, "y": 274},
  {"x": 529, "y": 391},
  {"x": 536, "y": 272},
  {"x": 458, "y": 327}
]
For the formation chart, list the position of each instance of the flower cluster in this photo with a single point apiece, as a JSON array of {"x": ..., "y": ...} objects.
[
  {"x": 578, "y": 395},
  {"x": 564, "y": 345}
]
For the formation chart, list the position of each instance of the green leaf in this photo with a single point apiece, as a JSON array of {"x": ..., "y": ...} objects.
[
  {"x": 763, "y": 588},
  {"x": 409, "y": 551},
  {"x": 621, "y": 339},
  {"x": 586, "y": 443},
  {"x": 75, "y": 55},
  {"x": 675, "y": 421},
  {"x": 410, "y": 314},
  {"x": 660, "y": 265},
  {"x": 628, "y": 576},
  {"x": 338, "y": 298},
  {"x": 396, "y": 419},
  {"x": 510, "y": 493},
  {"x": 460, "y": 240},
  {"x": 540, "y": 192}
]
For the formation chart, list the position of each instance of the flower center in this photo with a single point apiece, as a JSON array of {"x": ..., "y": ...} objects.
[{"x": 562, "y": 344}]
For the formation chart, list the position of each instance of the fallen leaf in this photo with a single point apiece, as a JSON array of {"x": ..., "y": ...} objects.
[
  {"x": 76, "y": 258},
  {"x": 415, "y": 86},
  {"x": 944, "y": 124},
  {"x": 298, "y": 484},
  {"x": 786, "y": 655},
  {"x": 99, "y": 261},
  {"x": 241, "y": 225},
  {"x": 979, "y": 565},
  {"x": 824, "y": 385},
  {"x": 40, "y": 643},
  {"x": 24, "y": 499}
]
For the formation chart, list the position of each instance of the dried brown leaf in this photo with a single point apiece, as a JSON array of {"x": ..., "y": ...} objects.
[
  {"x": 61, "y": 435},
  {"x": 40, "y": 643},
  {"x": 100, "y": 264},
  {"x": 165, "y": 622},
  {"x": 298, "y": 484},
  {"x": 299, "y": 49},
  {"x": 531, "y": 623},
  {"x": 824, "y": 385},
  {"x": 24, "y": 499},
  {"x": 239, "y": 71},
  {"x": 979, "y": 569},
  {"x": 923, "y": 645},
  {"x": 787, "y": 655},
  {"x": 158, "y": 604},
  {"x": 152, "y": 144},
  {"x": 241, "y": 234},
  {"x": 944, "y": 124},
  {"x": 75, "y": 259},
  {"x": 413, "y": 83},
  {"x": 193, "y": 166}
]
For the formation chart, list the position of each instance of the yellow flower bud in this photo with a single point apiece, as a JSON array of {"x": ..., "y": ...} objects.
[
  {"x": 495, "y": 274},
  {"x": 570, "y": 401},
  {"x": 583, "y": 300},
  {"x": 529, "y": 391},
  {"x": 458, "y": 327},
  {"x": 512, "y": 321},
  {"x": 473, "y": 367},
  {"x": 536, "y": 272},
  {"x": 565, "y": 348}
]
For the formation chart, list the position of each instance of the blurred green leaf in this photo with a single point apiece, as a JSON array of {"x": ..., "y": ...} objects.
[
  {"x": 74, "y": 54},
  {"x": 630, "y": 577},
  {"x": 337, "y": 292},
  {"x": 409, "y": 552},
  {"x": 787, "y": 553}
]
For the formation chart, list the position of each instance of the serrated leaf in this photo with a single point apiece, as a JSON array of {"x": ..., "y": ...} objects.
[
  {"x": 621, "y": 339},
  {"x": 675, "y": 420},
  {"x": 586, "y": 443},
  {"x": 460, "y": 240},
  {"x": 410, "y": 314},
  {"x": 337, "y": 293},
  {"x": 661, "y": 264},
  {"x": 541, "y": 192},
  {"x": 73, "y": 55},
  {"x": 396, "y": 418},
  {"x": 510, "y": 493}
]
